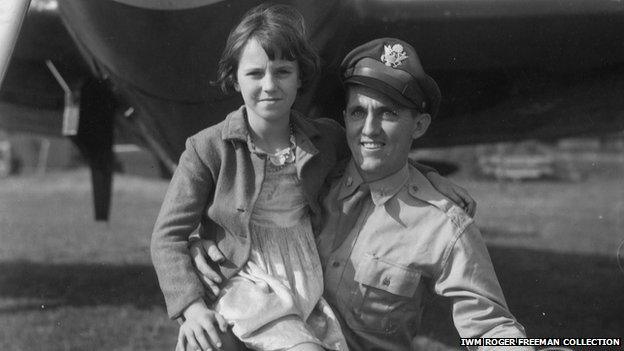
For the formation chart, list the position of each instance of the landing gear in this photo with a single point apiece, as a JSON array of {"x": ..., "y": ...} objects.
[
  {"x": 94, "y": 139},
  {"x": 6, "y": 160}
]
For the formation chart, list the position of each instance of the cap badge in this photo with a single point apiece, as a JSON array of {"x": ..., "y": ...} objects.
[{"x": 393, "y": 55}]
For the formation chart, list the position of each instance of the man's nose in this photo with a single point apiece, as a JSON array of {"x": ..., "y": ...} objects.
[{"x": 371, "y": 125}]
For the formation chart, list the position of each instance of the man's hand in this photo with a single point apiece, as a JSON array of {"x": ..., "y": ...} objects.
[
  {"x": 456, "y": 193},
  {"x": 198, "y": 330},
  {"x": 202, "y": 251}
]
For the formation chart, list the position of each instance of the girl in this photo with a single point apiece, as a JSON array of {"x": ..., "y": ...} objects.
[{"x": 252, "y": 181}]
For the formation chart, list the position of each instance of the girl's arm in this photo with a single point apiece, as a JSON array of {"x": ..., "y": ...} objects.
[
  {"x": 187, "y": 196},
  {"x": 456, "y": 193},
  {"x": 198, "y": 329}
]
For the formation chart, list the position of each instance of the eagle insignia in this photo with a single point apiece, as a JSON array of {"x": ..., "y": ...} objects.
[{"x": 393, "y": 55}]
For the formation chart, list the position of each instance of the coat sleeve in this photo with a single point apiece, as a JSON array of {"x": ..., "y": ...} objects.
[
  {"x": 469, "y": 280},
  {"x": 189, "y": 192}
]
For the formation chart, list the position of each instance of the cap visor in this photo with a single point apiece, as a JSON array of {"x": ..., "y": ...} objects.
[{"x": 381, "y": 87}]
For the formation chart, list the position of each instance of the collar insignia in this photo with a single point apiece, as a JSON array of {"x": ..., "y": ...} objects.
[{"x": 393, "y": 55}]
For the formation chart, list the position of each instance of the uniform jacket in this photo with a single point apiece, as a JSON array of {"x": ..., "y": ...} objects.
[
  {"x": 216, "y": 183},
  {"x": 408, "y": 239}
]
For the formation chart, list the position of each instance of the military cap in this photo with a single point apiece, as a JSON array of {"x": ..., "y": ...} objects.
[{"x": 391, "y": 66}]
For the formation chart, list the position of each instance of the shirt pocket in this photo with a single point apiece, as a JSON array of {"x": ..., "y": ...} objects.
[{"x": 386, "y": 294}]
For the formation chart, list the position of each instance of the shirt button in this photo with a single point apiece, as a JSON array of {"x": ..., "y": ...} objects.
[
  {"x": 386, "y": 281},
  {"x": 336, "y": 264}
]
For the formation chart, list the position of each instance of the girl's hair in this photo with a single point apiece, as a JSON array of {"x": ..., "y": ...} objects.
[{"x": 280, "y": 30}]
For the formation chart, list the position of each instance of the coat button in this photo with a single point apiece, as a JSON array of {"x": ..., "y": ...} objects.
[
  {"x": 349, "y": 181},
  {"x": 413, "y": 190},
  {"x": 335, "y": 264},
  {"x": 386, "y": 281}
]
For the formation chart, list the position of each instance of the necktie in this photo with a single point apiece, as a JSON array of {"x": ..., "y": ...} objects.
[{"x": 349, "y": 213}]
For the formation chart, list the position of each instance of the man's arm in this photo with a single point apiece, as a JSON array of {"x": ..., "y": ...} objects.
[
  {"x": 204, "y": 252},
  {"x": 467, "y": 277}
]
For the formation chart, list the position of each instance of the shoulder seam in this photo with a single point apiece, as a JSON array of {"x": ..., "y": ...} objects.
[{"x": 449, "y": 248}]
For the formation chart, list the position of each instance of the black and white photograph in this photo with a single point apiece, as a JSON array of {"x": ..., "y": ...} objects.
[{"x": 400, "y": 175}]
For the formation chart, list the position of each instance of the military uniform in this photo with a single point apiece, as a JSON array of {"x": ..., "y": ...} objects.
[
  {"x": 388, "y": 240},
  {"x": 406, "y": 239}
]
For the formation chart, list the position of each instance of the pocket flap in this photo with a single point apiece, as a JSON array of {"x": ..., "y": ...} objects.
[{"x": 393, "y": 278}]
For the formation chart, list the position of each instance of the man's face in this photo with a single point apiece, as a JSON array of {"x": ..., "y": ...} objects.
[{"x": 380, "y": 132}]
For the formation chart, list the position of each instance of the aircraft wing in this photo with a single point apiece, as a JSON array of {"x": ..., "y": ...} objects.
[{"x": 508, "y": 69}]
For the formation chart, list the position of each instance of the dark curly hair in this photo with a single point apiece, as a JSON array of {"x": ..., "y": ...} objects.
[{"x": 280, "y": 30}]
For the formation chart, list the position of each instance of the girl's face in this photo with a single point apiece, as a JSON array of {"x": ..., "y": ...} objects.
[{"x": 269, "y": 88}]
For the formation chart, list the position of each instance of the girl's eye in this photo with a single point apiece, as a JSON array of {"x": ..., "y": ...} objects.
[
  {"x": 283, "y": 72},
  {"x": 254, "y": 74}
]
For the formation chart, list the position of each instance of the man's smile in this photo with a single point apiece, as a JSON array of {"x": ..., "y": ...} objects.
[{"x": 372, "y": 145}]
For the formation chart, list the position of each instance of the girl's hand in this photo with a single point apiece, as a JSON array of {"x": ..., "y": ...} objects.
[
  {"x": 456, "y": 193},
  {"x": 198, "y": 330}
]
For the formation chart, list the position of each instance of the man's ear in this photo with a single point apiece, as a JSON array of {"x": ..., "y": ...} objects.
[
  {"x": 423, "y": 121},
  {"x": 236, "y": 86}
]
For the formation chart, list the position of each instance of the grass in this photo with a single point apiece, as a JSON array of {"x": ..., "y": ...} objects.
[{"x": 68, "y": 283}]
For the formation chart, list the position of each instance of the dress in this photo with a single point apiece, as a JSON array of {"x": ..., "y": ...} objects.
[{"x": 275, "y": 302}]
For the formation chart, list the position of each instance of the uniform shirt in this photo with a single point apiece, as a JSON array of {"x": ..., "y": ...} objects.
[{"x": 407, "y": 238}]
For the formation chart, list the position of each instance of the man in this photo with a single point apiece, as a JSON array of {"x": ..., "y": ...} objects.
[{"x": 389, "y": 235}]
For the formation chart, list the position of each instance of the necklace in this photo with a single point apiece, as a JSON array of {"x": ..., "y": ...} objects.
[
  {"x": 281, "y": 158},
  {"x": 286, "y": 155}
]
